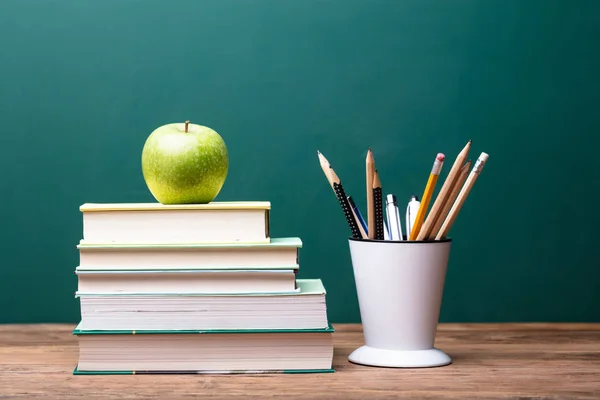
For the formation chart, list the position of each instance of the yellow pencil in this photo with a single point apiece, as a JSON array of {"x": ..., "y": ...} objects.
[
  {"x": 442, "y": 198},
  {"x": 370, "y": 172},
  {"x": 462, "y": 196},
  {"x": 433, "y": 177}
]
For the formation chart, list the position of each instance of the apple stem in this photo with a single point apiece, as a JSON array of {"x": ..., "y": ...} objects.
[{"x": 186, "y": 126}]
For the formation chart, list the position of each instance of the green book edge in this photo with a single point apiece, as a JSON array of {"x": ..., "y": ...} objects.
[
  {"x": 243, "y": 205},
  {"x": 307, "y": 287},
  {"x": 288, "y": 242},
  {"x": 77, "y": 331},
  {"x": 76, "y": 371}
]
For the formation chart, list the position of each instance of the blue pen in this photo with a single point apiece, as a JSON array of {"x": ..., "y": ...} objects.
[{"x": 358, "y": 214}]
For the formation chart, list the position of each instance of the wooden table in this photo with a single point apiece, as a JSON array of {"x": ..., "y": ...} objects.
[{"x": 550, "y": 361}]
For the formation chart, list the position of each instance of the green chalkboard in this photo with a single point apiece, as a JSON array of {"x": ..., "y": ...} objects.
[{"x": 82, "y": 84}]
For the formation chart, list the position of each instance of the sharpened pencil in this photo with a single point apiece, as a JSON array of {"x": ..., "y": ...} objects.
[
  {"x": 458, "y": 184},
  {"x": 378, "y": 206},
  {"x": 325, "y": 167},
  {"x": 442, "y": 198},
  {"x": 462, "y": 196},
  {"x": 343, "y": 199},
  {"x": 338, "y": 189},
  {"x": 370, "y": 172}
]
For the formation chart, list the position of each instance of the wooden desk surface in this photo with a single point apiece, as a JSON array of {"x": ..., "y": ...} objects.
[{"x": 557, "y": 361}]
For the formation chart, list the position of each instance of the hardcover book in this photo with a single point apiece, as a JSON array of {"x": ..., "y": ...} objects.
[
  {"x": 216, "y": 222},
  {"x": 206, "y": 351},
  {"x": 186, "y": 281},
  {"x": 301, "y": 309},
  {"x": 279, "y": 252}
]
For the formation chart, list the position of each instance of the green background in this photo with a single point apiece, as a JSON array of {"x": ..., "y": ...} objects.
[{"x": 83, "y": 83}]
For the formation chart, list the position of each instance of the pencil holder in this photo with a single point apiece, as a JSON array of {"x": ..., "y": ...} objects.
[{"x": 399, "y": 286}]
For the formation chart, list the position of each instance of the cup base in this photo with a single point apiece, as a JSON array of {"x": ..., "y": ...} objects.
[{"x": 373, "y": 357}]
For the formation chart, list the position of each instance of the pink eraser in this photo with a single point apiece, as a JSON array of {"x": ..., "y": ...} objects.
[{"x": 440, "y": 157}]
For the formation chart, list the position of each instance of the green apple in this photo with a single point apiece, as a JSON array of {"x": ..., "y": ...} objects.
[{"x": 184, "y": 163}]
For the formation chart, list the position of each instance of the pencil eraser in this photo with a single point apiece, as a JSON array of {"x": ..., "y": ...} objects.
[
  {"x": 483, "y": 156},
  {"x": 440, "y": 157}
]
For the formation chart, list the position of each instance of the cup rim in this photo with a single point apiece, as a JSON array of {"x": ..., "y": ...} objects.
[{"x": 406, "y": 242}]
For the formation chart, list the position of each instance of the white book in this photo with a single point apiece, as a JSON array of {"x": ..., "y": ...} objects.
[
  {"x": 304, "y": 309},
  {"x": 233, "y": 222},
  {"x": 205, "y": 352},
  {"x": 279, "y": 253},
  {"x": 185, "y": 281}
]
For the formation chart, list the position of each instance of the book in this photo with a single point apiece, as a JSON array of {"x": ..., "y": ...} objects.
[
  {"x": 77, "y": 371},
  {"x": 224, "y": 222},
  {"x": 185, "y": 281},
  {"x": 302, "y": 309},
  {"x": 279, "y": 252},
  {"x": 205, "y": 351}
]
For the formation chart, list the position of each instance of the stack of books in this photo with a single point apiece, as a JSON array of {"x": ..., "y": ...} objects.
[{"x": 195, "y": 289}]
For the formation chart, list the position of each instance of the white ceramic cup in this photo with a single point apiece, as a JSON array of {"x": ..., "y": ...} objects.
[{"x": 399, "y": 286}]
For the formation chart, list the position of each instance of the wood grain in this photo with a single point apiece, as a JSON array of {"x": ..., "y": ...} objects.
[{"x": 490, "y": 361}]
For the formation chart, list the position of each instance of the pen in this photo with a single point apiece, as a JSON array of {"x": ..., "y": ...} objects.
[
  {"x": 393, "y": 217},
  {"x": 411, "y": 213},
  {"x": 362, "y": 225}
]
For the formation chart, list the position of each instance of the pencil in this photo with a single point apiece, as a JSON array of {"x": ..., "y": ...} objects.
[
  {"x": 370, "y": 171},
  {"x": 442, "y": 198},
  {"x": 462, "y": 196},
  {"x": 338, "y": 189},
  {"x": 378, "y": 206},
  {"x": 426, "y": 198},
  {"x": 325, "y": 167},
  {"x": 458, "y": 184},
  {"x": 343, "y": 199}
]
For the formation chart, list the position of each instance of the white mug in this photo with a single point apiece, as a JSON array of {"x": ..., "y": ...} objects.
[{"x": 399, "y": 285}]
